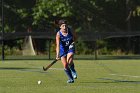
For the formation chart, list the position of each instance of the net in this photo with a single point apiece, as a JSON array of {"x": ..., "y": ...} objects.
[{"x": 28, "y": 48}]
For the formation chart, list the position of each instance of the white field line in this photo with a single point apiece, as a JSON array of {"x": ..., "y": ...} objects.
[
  {"x": 125, "y": 75},
  {"x": 56, "y": 68}
]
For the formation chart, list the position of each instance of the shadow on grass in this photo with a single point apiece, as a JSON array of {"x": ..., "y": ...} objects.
[
  {"x": 109, "y": 80},
  {"x": 13, "y": 68},
  {"x": 120, "y": 81},
  {"x": 22, "y": 69}
]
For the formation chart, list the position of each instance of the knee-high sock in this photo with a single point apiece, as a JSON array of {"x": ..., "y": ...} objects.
[
  {"x": 69, "y": 74},
  {"x": 72, "y": 68}
]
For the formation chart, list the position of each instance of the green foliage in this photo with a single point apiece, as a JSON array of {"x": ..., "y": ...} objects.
[
  {"x": 11, "y": 51},
  {"x": 137, "y": 11},
  {"x": 97, "y": 14},
  {"x": 46, "y": 9},
  {"x": 83, "y": 15},
  {"x": 103, "y": 51}
]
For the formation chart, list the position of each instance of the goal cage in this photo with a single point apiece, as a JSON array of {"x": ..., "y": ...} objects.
[{"x": 28, "y": 47}]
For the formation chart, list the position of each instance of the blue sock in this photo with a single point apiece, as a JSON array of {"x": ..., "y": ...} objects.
[
  {"x": 72, "y": 68},
  {"x": 69, "y": 74},
  {"x": 73, "y": 71}
]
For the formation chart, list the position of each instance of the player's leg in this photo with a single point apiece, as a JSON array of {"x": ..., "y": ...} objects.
[
  {"x": 67, "y": 70},
  {"x": 71, "y": 64}
]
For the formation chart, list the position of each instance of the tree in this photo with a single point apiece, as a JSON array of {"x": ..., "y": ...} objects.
[
  {"x": 83, "y": 15},
  {"x": 16, "y": 14}
]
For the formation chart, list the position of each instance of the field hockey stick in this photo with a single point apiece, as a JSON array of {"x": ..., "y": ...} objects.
[{"x": 53, "y": 62}]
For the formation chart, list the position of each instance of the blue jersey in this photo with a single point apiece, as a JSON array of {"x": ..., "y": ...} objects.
[{"x": 65, "y": 41}]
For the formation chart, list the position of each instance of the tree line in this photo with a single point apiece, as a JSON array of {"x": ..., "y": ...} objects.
[{"x": 82, "y": 15}]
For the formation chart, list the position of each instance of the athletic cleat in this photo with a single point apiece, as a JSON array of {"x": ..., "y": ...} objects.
[{"x": 70, "y": 81}]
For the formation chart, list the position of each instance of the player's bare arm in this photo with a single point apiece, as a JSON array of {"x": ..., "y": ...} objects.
[{"x": 57, "y": 45}]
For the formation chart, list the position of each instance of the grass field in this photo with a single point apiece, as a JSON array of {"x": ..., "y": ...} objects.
[{"x": 94, "y": 76}]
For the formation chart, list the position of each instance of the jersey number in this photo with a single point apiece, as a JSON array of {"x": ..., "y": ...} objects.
[{"x": 67, "y": 43}]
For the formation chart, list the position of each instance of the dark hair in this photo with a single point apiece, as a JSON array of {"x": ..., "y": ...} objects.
[{"x": 62, "y": 21}]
